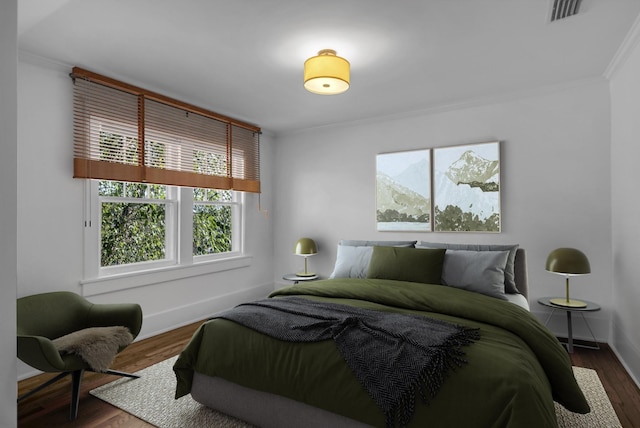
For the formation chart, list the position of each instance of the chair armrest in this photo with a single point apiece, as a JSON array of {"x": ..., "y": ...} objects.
[
  {"x": 113, "y": 314},
  {"x": 40, "y": 352}
]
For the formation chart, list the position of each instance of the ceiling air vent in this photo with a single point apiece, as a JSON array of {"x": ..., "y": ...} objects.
[{"x": 564, "y": 8}]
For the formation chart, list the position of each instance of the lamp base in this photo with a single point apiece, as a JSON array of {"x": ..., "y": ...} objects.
[
  {"x": 305, "y": 274},
  {"x": 560, "y": 301}
]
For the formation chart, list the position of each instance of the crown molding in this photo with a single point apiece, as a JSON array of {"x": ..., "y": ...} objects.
[
  {"x": 626, "y": 48},
  {"x": 42, "y": 61},
  {"x": 481, "y": 101}
]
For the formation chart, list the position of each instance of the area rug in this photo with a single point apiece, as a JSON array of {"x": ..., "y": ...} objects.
[{"x": 151, "y": 398}]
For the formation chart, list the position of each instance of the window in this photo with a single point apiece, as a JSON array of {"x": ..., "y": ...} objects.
[
  {"x": 135, "y": 223},
  {"x": 165, "y": 178},
  {"x": 214, "y": 214},
  {"x": 136, "y": 226}
]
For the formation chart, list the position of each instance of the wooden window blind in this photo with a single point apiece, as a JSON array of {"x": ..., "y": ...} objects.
[{"x": 126, "y": 133}]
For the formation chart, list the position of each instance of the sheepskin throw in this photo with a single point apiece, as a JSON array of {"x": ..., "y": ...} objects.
[{"x": 98, "y": 346}]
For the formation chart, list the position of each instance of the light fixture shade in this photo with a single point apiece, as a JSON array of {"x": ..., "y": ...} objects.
[
  {"x": 568, "y": 261},
  {"x": 305, "y": 247},
  {"x": 326, "y": 73}
]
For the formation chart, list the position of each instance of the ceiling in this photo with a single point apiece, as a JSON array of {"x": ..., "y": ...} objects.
[{"x": 244, "y": 58}]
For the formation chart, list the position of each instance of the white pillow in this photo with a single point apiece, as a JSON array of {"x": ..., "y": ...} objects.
[
  {"x": 352, "y": 262},
  {"x": 477, "y": 271}
]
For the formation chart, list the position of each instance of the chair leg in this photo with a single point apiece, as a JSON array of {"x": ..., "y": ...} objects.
[
  {"x": 76, "y": 380},
  {"x": 44, "y": 385},
  {"x": 76, "y": 377},
  {"x": 119, "y": 373}
]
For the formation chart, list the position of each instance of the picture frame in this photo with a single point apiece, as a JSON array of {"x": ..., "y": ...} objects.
[
  {"x": 466, "y": 188},
  {"x": 403, "y": 191}
]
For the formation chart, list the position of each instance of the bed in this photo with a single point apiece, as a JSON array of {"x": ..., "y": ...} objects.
[{"x": 507, "y": 375}]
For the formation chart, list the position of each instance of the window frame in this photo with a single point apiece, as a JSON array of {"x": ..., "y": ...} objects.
[
  {"x": 172, "y": 234},
  {"x": 237, "y": 227},
  {"x": 98, "y": 279}
]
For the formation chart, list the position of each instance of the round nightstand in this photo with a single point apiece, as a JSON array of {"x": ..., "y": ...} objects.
[
  {"x": 591, "y": 307},
  {"x": 295, "y": 278}
]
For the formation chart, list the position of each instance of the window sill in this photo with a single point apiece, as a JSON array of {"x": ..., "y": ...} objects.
[{"x": 109, "y": 284}]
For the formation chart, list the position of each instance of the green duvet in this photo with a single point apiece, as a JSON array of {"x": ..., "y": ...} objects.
[{"x": 514, "y": 371}]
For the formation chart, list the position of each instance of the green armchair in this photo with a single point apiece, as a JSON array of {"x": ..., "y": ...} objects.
[{"x": 44, "y": 317}]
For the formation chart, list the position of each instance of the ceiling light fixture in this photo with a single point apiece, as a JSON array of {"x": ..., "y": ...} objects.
[{"x": 326, "y": 73}]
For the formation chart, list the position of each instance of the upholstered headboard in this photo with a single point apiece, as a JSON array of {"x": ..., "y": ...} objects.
[
  {"x": 350, "y": 264},
  {"x": 520, "y": 272}
]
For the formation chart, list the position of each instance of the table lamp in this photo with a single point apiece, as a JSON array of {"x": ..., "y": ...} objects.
[
  {"x": 568, "y": 262},
  {"x": 305, "y": 247}
]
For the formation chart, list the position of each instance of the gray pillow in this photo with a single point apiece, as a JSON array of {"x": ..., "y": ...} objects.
[
  {"x": 477, "y": 271},
  {"x": 360, "y": 243},
  {"x": 509, "y": 272},
  {"x": 352, "y": 262}
]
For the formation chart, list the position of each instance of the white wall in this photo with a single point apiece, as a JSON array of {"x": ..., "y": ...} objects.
[
  {"x": 555, "y": 185},
  {"x": 50, "y": 203},
  {"x": 625, "y": 202},
  {"x": 8, "y": 212}
]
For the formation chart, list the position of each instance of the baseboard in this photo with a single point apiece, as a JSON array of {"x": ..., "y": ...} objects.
[
  {"x": 27, "y": 371},
  {"x": 579, "y": 343},
  {"x": 627, "y": 353},
  {"x": 633, "y": 377},
  {"x": 173, "y": 318}
]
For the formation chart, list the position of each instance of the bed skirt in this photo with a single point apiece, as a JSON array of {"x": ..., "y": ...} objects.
[{"x": 263, "y": 409}]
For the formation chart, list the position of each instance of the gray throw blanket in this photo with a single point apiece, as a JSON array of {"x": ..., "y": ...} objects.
[{"x": 394, "y": 356}]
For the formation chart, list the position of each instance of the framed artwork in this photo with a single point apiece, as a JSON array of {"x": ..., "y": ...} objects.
[
  {"x": 403, "y": 191},
  {"x": 466, "y": 183}
]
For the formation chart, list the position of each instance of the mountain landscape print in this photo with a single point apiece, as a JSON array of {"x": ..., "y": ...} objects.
[
  {"x": 467, "y": 188},
  {"x": 403, "y": 191}
]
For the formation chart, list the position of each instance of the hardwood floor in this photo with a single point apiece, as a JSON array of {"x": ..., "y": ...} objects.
[
  {"x": 50, "y": 407},
  {"x": 622, "y": 391}
]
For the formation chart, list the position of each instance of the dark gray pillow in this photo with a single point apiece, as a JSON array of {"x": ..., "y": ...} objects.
[
  {"x": 509, "y": 272},
  {"x": 359, "y": 243},
  {"x": 477, "y": 271}
]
